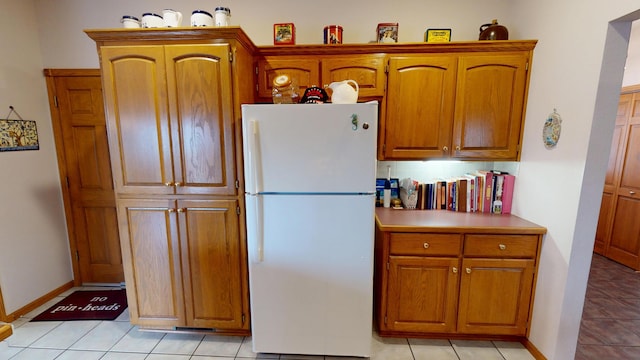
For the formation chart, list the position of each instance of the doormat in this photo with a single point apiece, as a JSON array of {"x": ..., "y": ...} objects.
[{"x": 87, "y": 305}]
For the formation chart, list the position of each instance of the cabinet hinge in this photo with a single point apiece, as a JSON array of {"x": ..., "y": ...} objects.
[
  {"x": 55, "y": 100},
  {"x": 243, "y": 318},
  {"x": 257, "y": 88},
  {"x": 256, "y": 69},
  {"x": 387, "y": 266},
  {"x": 238, "y": 210},
  {"x": 67, "y": 179},
  {"x": 77, "y": 255},
  {"x": 526, "y": 66},
  {"x": 230, "y": 56},
  {"x": 385, "y": 319},
  {"x": 237, "y": 184}
]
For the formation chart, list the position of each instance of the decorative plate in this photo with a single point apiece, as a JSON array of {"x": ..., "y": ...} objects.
[{"x": 551, "y": 130}]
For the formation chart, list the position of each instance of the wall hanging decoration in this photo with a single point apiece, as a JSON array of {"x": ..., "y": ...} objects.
[
  {"x": 551, "y": 130},
  {"x": 18, "y": 134}
]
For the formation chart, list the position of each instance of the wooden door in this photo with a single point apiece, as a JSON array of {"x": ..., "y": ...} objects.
[
  {"x": 152, "y": 262},
  {"x": 304, "y": 73},
  {"x": 490, "y": 98},
  {"x": 366, "y": 70},
  {"x": 624, "y": 244},
  {"x": 419, "y": 107},
  {"x": 495, "y": 295},
  {"x": 135, "y": 91},
  {"x": 83, "y": 153},
  {"x": 212, "y": 263},
  {"x": 422, "y": 294},
  {"x": 201, "y": 113},
  {"x": 612, "y": 176}
]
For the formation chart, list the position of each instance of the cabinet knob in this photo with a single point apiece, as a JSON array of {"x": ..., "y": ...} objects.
[
  {"x": 502, "y": 246},
  {"x": 457, "y": 147},
  {"x": 468, "y": 270},
  {"x": 425, "y": 245},
  {"x": 632, "y": 192},
  {"x": 455, "y": 270},
  {"x": 445, "y": 148},
  {"x": 178, "y": 184},
  {"x": 181, "y": 210},
  {"x": 171, "y": 210},
  {"x": 169, "y": 183}
]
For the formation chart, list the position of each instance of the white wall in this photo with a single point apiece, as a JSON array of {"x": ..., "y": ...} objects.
[
  {"x": 632, "y": 67},
  {"x": 34, "y": 253},
  {"x": 558, "y": 188}
]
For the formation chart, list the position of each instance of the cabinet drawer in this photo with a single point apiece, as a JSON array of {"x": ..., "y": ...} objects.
[
  {"x": 425, "y": 244},
  {"x": 521, "y": 246}
]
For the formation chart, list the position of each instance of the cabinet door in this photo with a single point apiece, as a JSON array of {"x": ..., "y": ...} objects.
[
  {"x": 495, "y": 296},
  {"x": 137, "y": 118},
  {"x": 212, "y": 261},
  {"x": 304, "y": 72},
  {"x": 604, "y": 224},
  {"x": 366, "y": 70},
  {"x": 489, "y": 110},
  {"x": 151, "y": 261},
  {"x": 419, "y": 107},
  {"x": 201, "y": 112},
  {"x": 422, "y": 294}
]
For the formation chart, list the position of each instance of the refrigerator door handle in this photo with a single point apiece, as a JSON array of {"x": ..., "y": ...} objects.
[
  {"x": 257, "y": 254},
  {"x": 254, "y": 158}
]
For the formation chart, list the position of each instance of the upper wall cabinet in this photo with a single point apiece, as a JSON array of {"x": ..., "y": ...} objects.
[
  {"x": 465, "y": 106},
  {"x": 458, "y": 100},
  {"x": 306, "y": 71}
]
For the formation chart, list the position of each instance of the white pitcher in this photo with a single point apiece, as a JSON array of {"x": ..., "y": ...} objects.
[
  {"x": 171, "y": 18},
  {"x": 344, "y": 92}
]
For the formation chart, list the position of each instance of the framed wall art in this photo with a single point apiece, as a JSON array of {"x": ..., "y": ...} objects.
[{"x": 16, "y": 135}]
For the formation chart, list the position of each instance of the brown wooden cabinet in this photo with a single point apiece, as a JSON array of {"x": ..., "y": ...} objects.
[
  {"x": 496, "y": 287},
  {"x": 306, "y": 71},
  {"x": 439, "y": 279},
  {"x": 183, "y": 263},
  {"x": 173, "y": 117},
  {"x": 618, "y": 232},
  {"x": 467, "y": 106}
]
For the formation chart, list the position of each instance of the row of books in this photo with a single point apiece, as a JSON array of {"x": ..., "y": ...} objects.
[{"x": 486, "y": 191}]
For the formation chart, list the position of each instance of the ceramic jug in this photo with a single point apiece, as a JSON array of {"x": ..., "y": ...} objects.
[
  {"x": 493, "y": 31},
  {"x": 171, "y": 18},
  {"x": 344, "y": 92}
]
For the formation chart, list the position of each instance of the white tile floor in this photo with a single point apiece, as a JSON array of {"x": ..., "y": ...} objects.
[{"x": 118, "y": 340}]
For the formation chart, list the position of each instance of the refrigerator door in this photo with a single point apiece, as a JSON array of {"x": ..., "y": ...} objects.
[
  {"x": 310, "y": 148},
  {"x": 311, "y": 279}
]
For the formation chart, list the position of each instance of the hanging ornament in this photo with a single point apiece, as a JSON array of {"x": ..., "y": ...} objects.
[{"x": 551, "y": 130}]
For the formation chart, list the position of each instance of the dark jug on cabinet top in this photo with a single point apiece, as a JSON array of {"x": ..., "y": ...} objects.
[{"x": 493, "y": 31}]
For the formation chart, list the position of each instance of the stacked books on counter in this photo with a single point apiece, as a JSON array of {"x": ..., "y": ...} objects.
[{"x": 486, "y": 191}]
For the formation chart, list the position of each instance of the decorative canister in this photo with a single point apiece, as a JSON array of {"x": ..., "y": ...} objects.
[
  {"x": 130, "y": 22},
  {"x": 222, "y": 16},
  {"x": 333, "y": 34}
]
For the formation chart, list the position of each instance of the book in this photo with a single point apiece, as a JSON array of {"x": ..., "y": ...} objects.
[
  {"x": 461, "y": 195},
  {"x": 498, "y": 183},
  {"x": 487, "y": 190},
  {"x": 507, "y": 193}
]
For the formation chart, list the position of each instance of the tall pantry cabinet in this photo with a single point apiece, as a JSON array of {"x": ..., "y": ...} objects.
[{"x": 172, "y": 102}]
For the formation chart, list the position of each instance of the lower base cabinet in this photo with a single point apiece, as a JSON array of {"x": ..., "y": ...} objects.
[
  {"x": 182, "y": 263},
  {"x": 455, "y": 283}
]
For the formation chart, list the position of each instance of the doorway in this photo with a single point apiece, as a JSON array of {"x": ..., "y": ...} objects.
[{"x": 79, "y": 126}]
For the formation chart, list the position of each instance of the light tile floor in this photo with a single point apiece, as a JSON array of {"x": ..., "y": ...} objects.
[{"x": 119, "y": 340}]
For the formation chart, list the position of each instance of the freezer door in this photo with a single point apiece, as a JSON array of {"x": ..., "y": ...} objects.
[
  {"x": 311, "y": 274},
  {"x": 310, "y": 147}
]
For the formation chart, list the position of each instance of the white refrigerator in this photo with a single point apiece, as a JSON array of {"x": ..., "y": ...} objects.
[{"x": 310, "y": 174}]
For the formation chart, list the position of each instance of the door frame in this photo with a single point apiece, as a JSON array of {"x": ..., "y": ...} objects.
[{"x": 56, "y": 121}]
